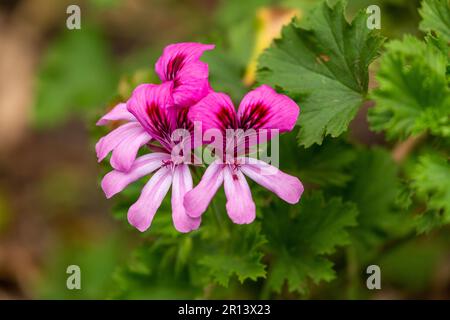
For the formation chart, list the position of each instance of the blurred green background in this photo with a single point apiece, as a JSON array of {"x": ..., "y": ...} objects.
[{"x": 55, "y": 83}]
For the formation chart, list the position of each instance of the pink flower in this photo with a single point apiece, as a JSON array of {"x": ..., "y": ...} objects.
[
  {"x": 152, "y": 114},
  {"x": 180, "y": 67},
  {"x": 152, "y": 106},
  {"x": 180, "y": 63},
  {"x": 260, "y": 109}
]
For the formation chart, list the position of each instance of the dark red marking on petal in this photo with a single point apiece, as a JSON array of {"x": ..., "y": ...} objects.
[
  {"x": 235, "y": 168},
  {"x": 174, "y": 66},
  {"x": 227, "y": 119},
  {"x": 183, "y": 121},
  {"x": 159, "y": 122},
  {"x": 255, "y": 116}
]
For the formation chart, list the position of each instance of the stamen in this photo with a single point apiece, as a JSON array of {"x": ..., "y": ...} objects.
[{"x": 167, "y": 163}]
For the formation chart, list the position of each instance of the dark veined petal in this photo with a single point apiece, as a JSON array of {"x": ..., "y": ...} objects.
[
  {"x": 150, "y": 105},
  {"x": 180, "y": 63},
  {"x": 215, "y": 111},
  {"x": 264, "y": 108}
]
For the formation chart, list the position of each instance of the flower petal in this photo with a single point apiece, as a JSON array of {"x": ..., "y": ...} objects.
[
  {"x": 215, "y": 111},
  {"x": 125, "y": 153},
  {"x": 141, "y": 213},
  {"x": 287, "y": 187},
  {"x": 119, "y": 112},
  {"x": 115, "y": 181},
  {"x": 180, "y": 64},
  {"x": 263, "y": 108},
  {"x": 150, "y": 103},
  {"x": 182, "y": 183},
  {"x": 197, "y": 200},
  {"x": 240, "y": 206},
  {"x": 109, "y": 142}
]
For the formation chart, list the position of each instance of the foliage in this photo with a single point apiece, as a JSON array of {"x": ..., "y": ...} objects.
[
  {"x": 361, "y": 204},
  {"x": 436, "y": 17},
  {"x": 300, "y": 240},
  {"x": 413, "y": 96},
  {"x": 324, "y": 63}
]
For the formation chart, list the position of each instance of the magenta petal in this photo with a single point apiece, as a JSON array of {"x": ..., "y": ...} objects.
[
  {"x": 191, "y": 86},
  {"x": 182, "y": 183},
  {"x": 263, "y": 108},
  {"x": 287, "y": 187},
  {"x": 180, "y": 64},
  {"x": 119, "y": 112},
  {"x": 240, "y": 206},
  {"x": 215, "y": 111},
  {"x": 197, "y": 200},
  {"x": 125, "y": 153},
  {"x": 141, "y": 213},
  {"x": 150, "y": 103},
  {"x": 109, "y": 142},
  {"x": 115, "y": 181},
  {"x": 177, "y": 56}
]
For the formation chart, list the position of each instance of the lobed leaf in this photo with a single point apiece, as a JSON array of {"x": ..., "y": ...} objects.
[{"x": 325, "y": 67}]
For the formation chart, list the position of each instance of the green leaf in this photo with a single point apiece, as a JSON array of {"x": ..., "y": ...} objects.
[
  {"x": 374, "y": 189},
  {"x": 300, "y": 237},
  {"x": 240, "y": 255},
  {"x": 413, "y": 96},
  {"x": 152, "y": 272},
  {"x": 431, "y": 183},
  {"x": 436, "y": 17},
  {"x": 76, "y": 76},
  {"x": 325, "y": 67},
  {"x": 326, "y": 165}
]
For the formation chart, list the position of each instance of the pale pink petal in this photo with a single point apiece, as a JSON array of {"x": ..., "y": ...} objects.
[
  {"x": 125, "y": 153},
  {"x": 181, "y": 184},
  {"x": 150, "y": 103},
  {"x": 263, "y": 108},
  {"x": 287, "y": 187},
  {"x": 109, "y": 142},
  {"x": 115, "y": 181},
  {"x": 197, "y": 200},
  {"x": 180, "y": 64},
  {"x": 141, "y": 213},
  {"x": 215, "y": 111},
  {"x": 240, "y": 206},
  {"x": 119, "y": 112}
]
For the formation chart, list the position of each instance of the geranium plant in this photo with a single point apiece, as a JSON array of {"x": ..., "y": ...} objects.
[{"x": 284, "y": 238}]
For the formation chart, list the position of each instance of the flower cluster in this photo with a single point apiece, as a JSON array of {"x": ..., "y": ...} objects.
[{"x": 153, "y": 116}]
